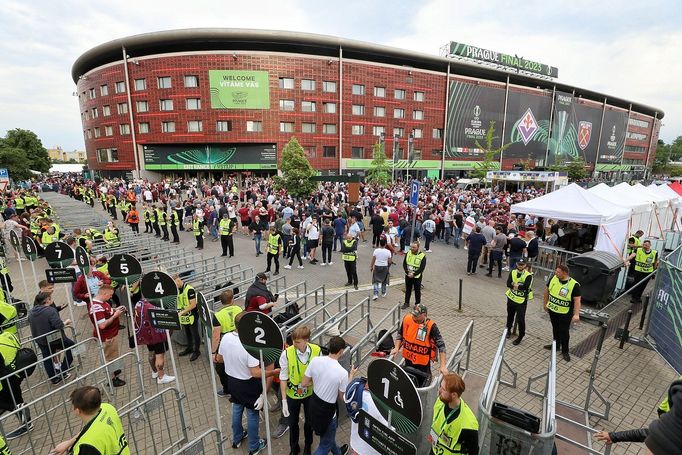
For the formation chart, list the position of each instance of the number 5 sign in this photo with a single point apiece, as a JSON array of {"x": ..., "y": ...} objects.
[
  {"x": 159, "y": 289},
  {"x": 124, "y": 266},
  {"x": 395, "y": 394},
  {"x": 258, "y": 332}
]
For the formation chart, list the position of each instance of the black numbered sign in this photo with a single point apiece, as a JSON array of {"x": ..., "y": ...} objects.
[
  {"x": 393, "y": 391},
  {"x": 30, "y": 249},
  {"x": 14, "y": 240},
  {"x": 204, "y": 314},
  {"x": 159, "y": 289},
  {"x": 259, "y": 333},
  {"x": 82, "y": 259},
  {"x": 58, "y": 254},
  {"x": 122, "y": 266},
  {"x": 382, "y": 438}
]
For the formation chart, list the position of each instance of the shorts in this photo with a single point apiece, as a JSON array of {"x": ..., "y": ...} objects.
[
  {"x": 158, "y": 348},
  {"x": 313, "y": 243},
  {"x": 361, "y": 225}
]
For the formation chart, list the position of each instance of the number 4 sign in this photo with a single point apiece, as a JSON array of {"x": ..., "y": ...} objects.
[{"x": 159, "y": 289}]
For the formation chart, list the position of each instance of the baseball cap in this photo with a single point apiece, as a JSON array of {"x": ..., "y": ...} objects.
[
  {"x": 261, "y": 276},
  {"x": 419, "y": 309},
  {"x": 521, "y": 261}
]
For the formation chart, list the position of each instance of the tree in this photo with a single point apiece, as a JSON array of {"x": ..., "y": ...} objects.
[
  {"x": 576, "y": 169},
  {"x": 379, "y": 170},
  {"x": 32, "y": 147},
  {"x": 16, "y": 163},
  {"x": 490, "y": 154},
  {"x": 296, "y": 171},
  {"x": 676, "y": 149},
  {"x": 662, "y": 157}
]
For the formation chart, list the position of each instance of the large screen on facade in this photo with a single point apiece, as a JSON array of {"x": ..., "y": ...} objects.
[
  {"x": 527, "y": 126},
  {"x": 471, "y": 108},
  {"x": 575, "y": 130},
  {"x": 210, "y": 157},
  {"x": 237, "y": 89}
]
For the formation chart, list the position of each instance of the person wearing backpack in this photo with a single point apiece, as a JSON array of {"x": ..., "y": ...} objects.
[
  {"x": 356, "y": 398},
  {"x": 155, "y": 340},
  {"x": 44, "y": 319},
  {"x": 294, "y": 362},
  {"x": 11, "y": 397}
]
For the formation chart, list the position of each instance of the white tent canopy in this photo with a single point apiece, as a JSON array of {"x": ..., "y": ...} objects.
[
  {"x": 575, "y": 204},
  {"x": 641, "y": 211}
]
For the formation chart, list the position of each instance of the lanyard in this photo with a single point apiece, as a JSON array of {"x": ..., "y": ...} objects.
[
  {"x": 298, "y": 361},
  {"x": 442, "y": 428}
]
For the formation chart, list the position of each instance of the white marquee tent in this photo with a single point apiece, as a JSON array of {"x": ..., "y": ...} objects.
[
  {"x": 641, "y": 211},
  {"x": 575, "y": 204}
]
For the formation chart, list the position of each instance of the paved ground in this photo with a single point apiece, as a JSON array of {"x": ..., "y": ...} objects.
[{"x": 633, "y": 379}]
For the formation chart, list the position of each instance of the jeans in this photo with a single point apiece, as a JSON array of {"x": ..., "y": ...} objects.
[
  {"x": 338, "y": 237},
  {"x": 251, "y": 425},
  {"x": 512, "y": 261},
  {"x": 328, "y": 441},
  {"x": 448, "y": 234},
  {"x": 326, "y": 253},
  {"x": 49, "y": 362},
  {"x": 495, "y": 258},
  {"x": 257, "y": 237},
  {"x": 214, "y": 231},
  {"x": 458, "y": 237},
  {"x": 375, "y": 286},
  {"x": 428, "y": 236}
]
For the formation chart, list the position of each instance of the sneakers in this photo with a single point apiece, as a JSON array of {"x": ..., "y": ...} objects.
[
  {"x": 155, "y": 375},
  {"x": 165, "y": 379},
  {"x": 517, "y": 341},
  {"x": 300, "y": 267},
  {"x": 118, "y": 382},
  {"x": 280, "y": 430},
  {"x": 505, "y": 269},
  {"x": 221, "y": 393},
  {"x": 288, "y": 267},
  {"x": 17, "y": 433},
  {"x": 343, "y": 450},
  {"x": 324, "y": 264},
  {"x": 374, "y": 297},
  {"x": 383, "y": 295},
  {"x": 330, "y": 263},
  {"x": 185, "y": 352},
  {"x": 236, "y": 444},
  {"x": 262, "y": 443},
  {"x": 276, "y": 273},
  {"x": 428, "y": 251},
  {"x": 566, "y": 356}
]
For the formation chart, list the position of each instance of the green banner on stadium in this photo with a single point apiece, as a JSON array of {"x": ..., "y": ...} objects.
[
  {"x": 498, "y": 58},
  {"x": 210, "y": 156},
  {"x": 237, "y": 89},
  {"x": 421, "y": 164}
]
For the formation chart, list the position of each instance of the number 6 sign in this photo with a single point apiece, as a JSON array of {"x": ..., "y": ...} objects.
[
  {"x": 258, "y": 332},
  {"x": 159, "y": 289}
]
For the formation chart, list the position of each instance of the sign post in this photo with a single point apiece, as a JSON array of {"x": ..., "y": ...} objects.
[
  {"x": 414, "y": 201},
  {"x": 160, "y": 289},
  {"x": 261, "y": 336},
  {"x": 31, "y": 253},
  {"x": 395, "y": 395},
  {"x": 205, "y": 316},
  {"x": 16, "y": 244},
  {"x": 122, "y": 269},
  {"x": 58, "y": 255}
]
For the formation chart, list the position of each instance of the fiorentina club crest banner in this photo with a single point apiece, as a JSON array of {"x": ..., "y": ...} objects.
[
  {"x": 575, "y": 130},
  {"x": 527, "y": 126}
]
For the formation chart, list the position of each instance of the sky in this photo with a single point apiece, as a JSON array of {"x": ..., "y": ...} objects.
[{"x": 630, "y": 50}]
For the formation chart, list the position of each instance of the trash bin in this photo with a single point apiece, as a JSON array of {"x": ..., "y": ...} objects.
[{"x": 597, "y": 273}]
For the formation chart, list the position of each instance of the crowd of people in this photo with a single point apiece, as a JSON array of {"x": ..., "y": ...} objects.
[{"x": 293, "y": 229}]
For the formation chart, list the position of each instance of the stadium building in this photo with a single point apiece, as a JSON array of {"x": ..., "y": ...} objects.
[{"x": 217, "y": 101}]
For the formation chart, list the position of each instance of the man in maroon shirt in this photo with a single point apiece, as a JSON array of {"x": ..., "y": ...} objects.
[{"x": 106, "y": 323}]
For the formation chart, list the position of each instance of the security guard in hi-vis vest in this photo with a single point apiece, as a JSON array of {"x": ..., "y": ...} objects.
[
  {"x": 8, "y": 315},
  {"x": 454, "y": 429},
  {"x": 155, "y": 222},
  {"x": 634, "y": 243},
  {"x": 275, "y": 245},
  {"x": 4, "y": 450},
  {"x": 198, "y": 231},
  {"x": 646, "y": 261},
  {"x": 189, "y": 317},
  {"x": 227, "y": 228},
  {"x": 420, "y": 340},
  {"x": 294, "y": 362},
  {"x": 414, "y": 263},
  {"x": 519, "y": 292},
  {"x": 349, "y": 254},
  {"x": 103, "y": 200},
  {"x": 147, "y": 219},
  {"x": 102, "y": 432},
  {"x": 174, "y": 221},
  {"x": 562, "y": 302},
  {"x": 162, "y": 218},
  {"x": 223, "y": 322}
]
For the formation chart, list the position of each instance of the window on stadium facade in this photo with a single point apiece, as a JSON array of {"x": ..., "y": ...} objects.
[
  {"x": 253, "y": 126},
  {"x": 168, "y": 127},
  {"x": 358, "y": 130},
  {"x": 307, "y": 84},
  {"x": 286, "y": 127},
  {"x": 106, "y": 111},
  {"x": 140, "y": 84},
  {"x": 223, "y": 126},
  {"x": 287, "y": 105},
  {"x": 308, "y": 128},
  {"x": 286, "y": 83},
  {"x": 193, "y": 104},
  {"x": 358, "y": 109},
  {"x": 357, "y": 152},
  {"x": 329, "y": 86},
  {"x": 143, "y": 127},
  {"x": 142, "y": 106},
  {"x": 329, "y": 128},
  {"x": 358, "y": 89},
  {"x": 380, "y": 92},
  {"x": 164, "y": 82},
  {"x": 308, "y": 106},
  {"x": 329, "y": 108},
  {"x": 191, "y": 81},
  {"x": 329, "y": 151},
  {"x": 195, "y": 126},
  {"x": 104, "y": 90},
  {"x": 379, "y": 111}
]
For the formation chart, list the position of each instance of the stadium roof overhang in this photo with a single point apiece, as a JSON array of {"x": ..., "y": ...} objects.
[{"x": 226, "y": 39}]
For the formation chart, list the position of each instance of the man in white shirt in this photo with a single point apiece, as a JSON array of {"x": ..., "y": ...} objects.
[
  {"x": 330, "y": 380},
  {"x": 243, "y": 376},
  {"x": 354, "y": 229}
]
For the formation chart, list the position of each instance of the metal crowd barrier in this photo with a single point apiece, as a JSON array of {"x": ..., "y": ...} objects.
[
  {"x": 498, "y": 436},
  {"x": 203, "y": 444},
  {"x": 458, "y": 362},
  {"x": 549, "y": 257}
]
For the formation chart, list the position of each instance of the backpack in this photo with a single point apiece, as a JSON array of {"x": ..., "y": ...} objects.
[
  {"x": 353, "y": 397},
  {"x": 25, "y": 357},
  {"x": 387, "y": 344},
  {"x": 290, "y": 315}
]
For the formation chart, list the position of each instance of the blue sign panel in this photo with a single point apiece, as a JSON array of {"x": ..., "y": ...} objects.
[{"x": 414, "y": 192}]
